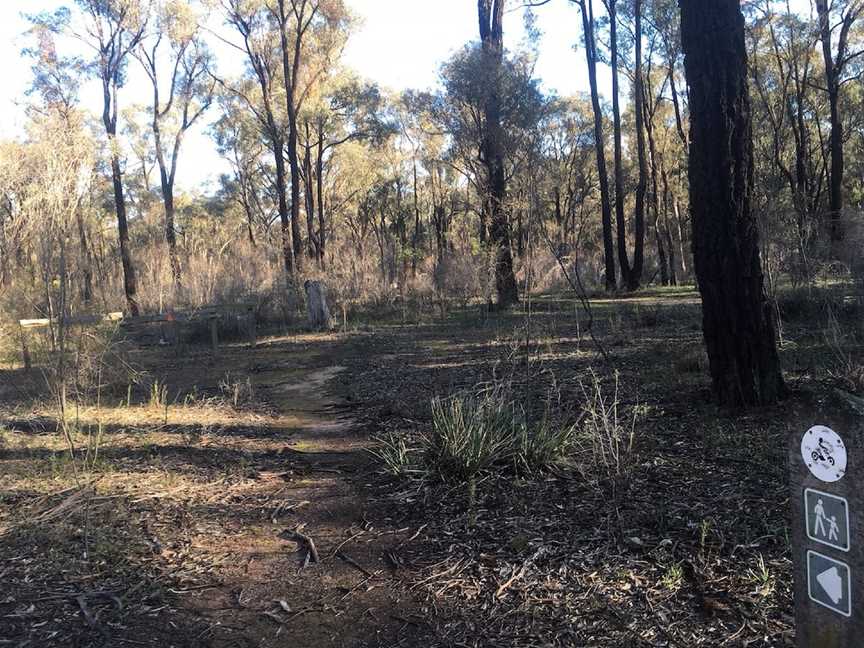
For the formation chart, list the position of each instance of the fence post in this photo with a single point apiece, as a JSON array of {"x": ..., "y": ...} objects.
[{"x": 25, "y": 352}]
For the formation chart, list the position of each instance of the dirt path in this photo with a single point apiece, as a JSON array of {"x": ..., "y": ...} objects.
[{"x": 271, "y": 591}]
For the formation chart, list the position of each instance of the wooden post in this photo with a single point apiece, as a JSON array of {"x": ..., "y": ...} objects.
[
  {"x": 826, "y": 462},
  {"x": 214, "y": 333},
  {"x": 25, "y": 352}
]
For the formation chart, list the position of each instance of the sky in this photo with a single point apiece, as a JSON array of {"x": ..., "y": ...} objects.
[{"x": 399, "y": 44}]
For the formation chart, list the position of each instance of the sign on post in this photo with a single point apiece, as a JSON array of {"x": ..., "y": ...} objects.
[
  {"x": 828, "y": 583},
  {"x": 827, "y": 499},
  {"x": 827, "y": 518}
]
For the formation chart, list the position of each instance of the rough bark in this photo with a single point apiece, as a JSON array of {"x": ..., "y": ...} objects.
[
  {"x": 491, "y": 16},
  {"x": 736, "y": 318},
  {"x": 317, "y": 312}
]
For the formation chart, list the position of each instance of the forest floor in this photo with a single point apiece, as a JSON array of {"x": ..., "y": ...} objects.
[{"x": 189, "y": 526}]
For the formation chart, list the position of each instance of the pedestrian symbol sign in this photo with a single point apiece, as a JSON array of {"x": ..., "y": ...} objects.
[
  {"x": 828, "y": 583},
  {"x": 827, "y": 518}
]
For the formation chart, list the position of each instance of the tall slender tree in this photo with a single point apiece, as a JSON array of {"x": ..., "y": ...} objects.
[
  {"x": 835, "y": 66},
  {"x": 737, "y": 323},
  {"x": 113, "y": 29},
  {"x": 587, "y": 9},
  {"x": 491, "y": 15},
  {"x": 190, "y": 91},
  {"x": 252, "y": 25}
]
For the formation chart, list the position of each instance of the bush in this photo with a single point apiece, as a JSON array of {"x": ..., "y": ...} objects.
[
  {"x": 607, "y": 436},
  {"x": 470, "y": 433}
]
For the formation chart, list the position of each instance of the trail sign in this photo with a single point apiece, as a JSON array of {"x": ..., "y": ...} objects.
[
  {"x": 827, "y": 518},
  {"x": 826, "y": 482},
  {"x": 829, "y": 583}
]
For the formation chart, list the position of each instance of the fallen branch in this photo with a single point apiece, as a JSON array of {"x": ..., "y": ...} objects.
[{"x": 304, "y": 540}]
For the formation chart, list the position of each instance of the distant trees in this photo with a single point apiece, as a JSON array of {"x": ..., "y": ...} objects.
[
  {"x": 738, "y": 325},
  {"x": 847, "y": 12},
  {"x": 189, "y": 93}
]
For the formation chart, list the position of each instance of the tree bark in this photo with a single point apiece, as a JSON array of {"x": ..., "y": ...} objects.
[
  {"x": 835, "y": 140},
  {"x": 599, "y": 143},
  {"x": 635, "y": 276},
  {"x": 491, "y": 15},
  {"x": 620, "y": 223},
  {"x": 737, "y": 323}
]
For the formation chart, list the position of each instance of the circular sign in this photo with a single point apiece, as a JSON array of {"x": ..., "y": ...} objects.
[{"x": 823, "y": 451}]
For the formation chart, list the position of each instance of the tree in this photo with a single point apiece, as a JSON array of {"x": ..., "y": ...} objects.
[
  {"x": 259, "y": 47},
  {"x": 736, "y": 318},
  {"x": 114, "y": 28},
  {"x": 491, "y": 15},
  {"x": 835, "y": 67},
  {"x": 190, "y": 91},
  {"x": 587, "y": 9}
]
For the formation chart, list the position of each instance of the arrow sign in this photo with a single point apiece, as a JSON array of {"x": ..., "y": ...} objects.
[
  {"x": 832, "y": 584},
  {"x": 828, "y": 583}
]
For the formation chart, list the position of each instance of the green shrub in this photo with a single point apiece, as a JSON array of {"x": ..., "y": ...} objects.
[
  {"x": 542, "y": 445},
  {"x": 395, "y": 454},
  {"x": 470, "y": 433}
]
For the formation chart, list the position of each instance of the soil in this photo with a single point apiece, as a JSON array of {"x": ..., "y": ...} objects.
[{"x": 189, "y": 526}]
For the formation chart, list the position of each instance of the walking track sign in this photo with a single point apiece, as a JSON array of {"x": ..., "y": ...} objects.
[{"x": 826, "y": 464}]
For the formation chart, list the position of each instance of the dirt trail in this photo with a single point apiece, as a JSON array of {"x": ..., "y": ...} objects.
[{"x": 270, "y": 593}]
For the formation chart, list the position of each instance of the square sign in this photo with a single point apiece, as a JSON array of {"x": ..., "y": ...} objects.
[
  {"x": 828, "y": 583},
  {"x": 827, "y": 518}
]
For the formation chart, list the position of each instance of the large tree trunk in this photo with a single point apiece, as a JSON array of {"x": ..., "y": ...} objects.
[
  {"x": 736, "y": 317},
  {"x": 599, "y": 142},
  {"x": 491, "y": 15}
]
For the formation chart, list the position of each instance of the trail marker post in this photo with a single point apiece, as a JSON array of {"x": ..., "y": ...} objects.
[{"x": 827, "y": 500}]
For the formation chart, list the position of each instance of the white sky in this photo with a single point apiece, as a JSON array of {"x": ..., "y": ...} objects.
[{"x": 399, "y": 44}]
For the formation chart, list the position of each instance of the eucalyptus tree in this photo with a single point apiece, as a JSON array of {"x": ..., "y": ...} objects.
[
  {"x": 341, "y": 108},
  {"x": 189, "y": 93},
  {"x": 491, "y": 19},
  {"x": 737, "y": 321},
  {"x": 260, "y": 45},
  {"x": 590, "y": 45},
  {"x": 112, "y": 30},
  {"x": 836, "y": 20}
]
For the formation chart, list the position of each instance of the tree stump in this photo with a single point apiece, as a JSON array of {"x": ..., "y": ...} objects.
[{"x": 316, "y": 305}]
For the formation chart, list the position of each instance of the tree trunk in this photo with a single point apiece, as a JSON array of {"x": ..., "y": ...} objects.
[
  {"x": 635, "y": 276},
  {"x": 599, "y": 143},
  {"x": 491, "y": 15},
  {"x": 835, "y": 140},
  {"x": 415, "y": 239},
  {"x": 129, "y": 282},
  {"x": 309, "y": 194},
  {"x": 620, "y": 223},
  {"x": 285, "y": 221},
  {"x": 737, "y": 322},
  {"x": 319, "y": 179}
]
